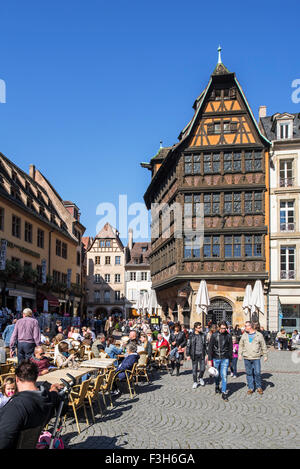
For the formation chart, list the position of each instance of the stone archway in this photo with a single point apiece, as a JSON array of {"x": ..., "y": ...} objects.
[{"x": 220, "y": 309}]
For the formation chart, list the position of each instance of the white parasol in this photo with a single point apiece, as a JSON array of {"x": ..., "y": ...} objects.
[{"x": 202, "y": 299}]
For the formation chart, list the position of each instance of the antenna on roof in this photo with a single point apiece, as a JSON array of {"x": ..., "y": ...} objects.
[{"x": 219, "y": 55}]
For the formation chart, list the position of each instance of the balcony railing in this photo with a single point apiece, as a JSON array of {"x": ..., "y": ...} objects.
[
  {"x": 287, "y": 274},
  {"x": 286, "y": 182},
  {"x": 287, "y": 226}
]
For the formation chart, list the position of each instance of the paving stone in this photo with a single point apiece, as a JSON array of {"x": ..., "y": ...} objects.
[{"x": 168, "y": 413}]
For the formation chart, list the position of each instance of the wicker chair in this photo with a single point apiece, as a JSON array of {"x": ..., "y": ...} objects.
[
  {"x": 129, "y": 374},
  {"x": 162, "y": 357},
  {"x": 93, "y": 393},
  {"x": 141, "y": 369},
  {"x": 6, "y": 375},
  {"x": 107, "y": 386},
  {"x": 77, "y": 398}
]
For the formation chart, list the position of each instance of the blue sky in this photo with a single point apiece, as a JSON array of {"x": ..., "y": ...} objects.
[{"x": 93, "y": 86}]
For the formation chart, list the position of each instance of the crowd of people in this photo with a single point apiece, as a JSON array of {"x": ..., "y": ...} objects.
[{"x": 215, "y": 347}]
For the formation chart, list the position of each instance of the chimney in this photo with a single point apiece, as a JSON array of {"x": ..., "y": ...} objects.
[
  {"x": 262, "y": 112},
  {"x": 130, "y": 238},
  {"x": 32, "y": 171}
]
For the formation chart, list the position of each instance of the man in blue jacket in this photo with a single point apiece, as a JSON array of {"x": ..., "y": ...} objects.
[{"x": 131, "y": 358}]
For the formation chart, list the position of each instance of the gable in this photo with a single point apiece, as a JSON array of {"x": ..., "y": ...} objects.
[{"x": 224, "y": 118}]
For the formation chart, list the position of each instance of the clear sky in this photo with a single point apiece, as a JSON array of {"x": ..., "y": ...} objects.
[{"x": 93, "y": 86}]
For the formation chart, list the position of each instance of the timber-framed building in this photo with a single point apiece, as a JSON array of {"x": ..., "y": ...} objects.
[{"x": 220, "y": 163}]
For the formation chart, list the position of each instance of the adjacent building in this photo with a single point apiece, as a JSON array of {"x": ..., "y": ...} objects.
[
  {"x": 39, "y": 246},
  {"x": 138, "y": 277},
  {"x": 220, "y": 164},
  {"x": 283, "y": 130},
  {"x": 105, "y": 281}
]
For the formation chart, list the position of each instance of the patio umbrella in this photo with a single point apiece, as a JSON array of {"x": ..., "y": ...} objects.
[
  {"x": 202, "y": 299},
  {"x": 247, "y": 299},
  {"x": 257, "y": 298},
  {"x": 139, "y": 302},
  {"x": 145, "y": 301},
  {"x": 152, "y": 302}
]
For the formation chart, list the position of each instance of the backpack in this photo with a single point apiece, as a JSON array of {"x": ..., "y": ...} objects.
[{"x": 45, "y": 439}]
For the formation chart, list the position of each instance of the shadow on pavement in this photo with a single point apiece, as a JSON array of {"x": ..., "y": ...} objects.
[{"x": 98, "y": 442}]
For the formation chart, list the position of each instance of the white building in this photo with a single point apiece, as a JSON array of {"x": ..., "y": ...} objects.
[
  {"x": 138, "y": 277},
  {"x": 283, "y": 130}
]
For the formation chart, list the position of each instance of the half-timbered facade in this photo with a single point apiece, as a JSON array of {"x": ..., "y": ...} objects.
[{"x": 218, "y": 169}]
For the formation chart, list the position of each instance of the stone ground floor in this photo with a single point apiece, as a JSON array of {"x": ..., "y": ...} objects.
[{"x": 169, "y": 414}]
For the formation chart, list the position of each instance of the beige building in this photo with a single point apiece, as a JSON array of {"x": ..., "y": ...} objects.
[
  {"x": 283, "y": 129},
  {"x": 105, "y": 282},
  {"x": 39, "y": 253}
]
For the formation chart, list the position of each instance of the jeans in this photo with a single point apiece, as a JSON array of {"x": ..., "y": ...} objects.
[
  {"x": 253, "y": 370},
  {"x": 221, "y": 364},
  {"x": 234, "y": 365},
  {"x": 199, "y": 362},
  {"x": 25, "y": 350}
]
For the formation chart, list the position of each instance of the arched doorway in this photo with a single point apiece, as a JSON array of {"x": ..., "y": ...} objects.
[
  {"x": 186, "y": 314},
  {"x": 219, "y": 310}
]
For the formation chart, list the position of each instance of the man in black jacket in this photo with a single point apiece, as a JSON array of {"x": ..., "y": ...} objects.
[
  {"x": 195, "y": 350},
  {"x": 220, "y": 355},
  {"x": 29, "y": 408}
]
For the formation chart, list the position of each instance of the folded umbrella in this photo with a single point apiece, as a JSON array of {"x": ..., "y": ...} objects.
[{"x": 202, "y": 299}]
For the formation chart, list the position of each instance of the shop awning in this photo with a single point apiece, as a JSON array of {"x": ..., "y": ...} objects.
[{"x": 52, "y": 300}]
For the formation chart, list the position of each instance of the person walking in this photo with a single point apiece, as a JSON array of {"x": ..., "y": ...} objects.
[
  {"x": 178, "y": 342},
  {"x": 219, "y": 356},
  {"x": 252, "y": 347},
  {"x": 26, "y": 336},
  {"x": 195, "y": 351}
]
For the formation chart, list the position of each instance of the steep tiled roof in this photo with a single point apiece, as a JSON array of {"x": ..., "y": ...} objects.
[
  {"x": 137, "y": 252},
  {"x": 270, "y": 129}
]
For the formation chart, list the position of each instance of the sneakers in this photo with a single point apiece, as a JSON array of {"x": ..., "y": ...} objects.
[
  {"x": 224, "y": 396},
  {"x": 260, "y": 391},
  {"x": 201, "y": 382},
  {"x": 217, "y": 390},
  {"x": 250, "y": 391},
  {"x": 232, "y": 375},
  {"x": 116, "y": 393},
  {"x": 195, "y": 385}
]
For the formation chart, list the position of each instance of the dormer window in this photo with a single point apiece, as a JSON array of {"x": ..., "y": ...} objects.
[
  {"x": 284, "y": 126},
  {"x": 284, "y": 130}
]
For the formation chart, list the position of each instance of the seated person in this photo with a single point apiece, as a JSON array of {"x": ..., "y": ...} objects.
[
  {"x": 145, "y": 345},
  {"x": 112, "y": 350},
  {"x": 162, "y": 342},
  {"x": 8, "y": 390},
  {"x": 133, "y": 338},
  {"x": 149, "y": 335},
  {"x": 282, "y": 340},
  {"x": 45, "y": 339},
  {"x": 87, "y": 340},
  {"x": 76, "y": 335},
  {"x": 29, "y": 408},
  {"x": 40, "y": 360},
  {"x": 99, "y": 345},
  {"x": 64, "y": 358},
  {"x": 296, "y": 337},
  {"x": 131, "y": 358}
]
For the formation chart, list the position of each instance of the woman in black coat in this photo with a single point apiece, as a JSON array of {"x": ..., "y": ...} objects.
[{"x": 177, "y": 341}]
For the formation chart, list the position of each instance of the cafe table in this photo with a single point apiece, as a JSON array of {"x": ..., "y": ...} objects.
[
  {"x": 13, "y": 360},
  {"x": 54, "y": 377},
  {"x": 101, "y": 363}
]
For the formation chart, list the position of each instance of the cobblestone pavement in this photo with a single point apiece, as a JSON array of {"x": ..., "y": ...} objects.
[{"x": 169, "y": 414}]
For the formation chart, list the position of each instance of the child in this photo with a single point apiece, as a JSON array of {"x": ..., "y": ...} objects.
[
  {"x": 9, "y": 389},
  {"x": 235, "y": 355}
]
